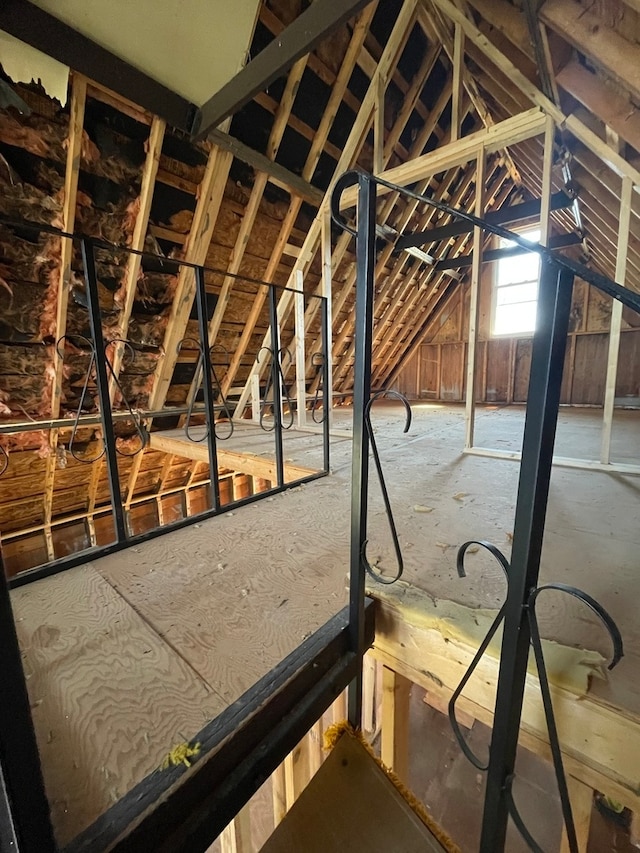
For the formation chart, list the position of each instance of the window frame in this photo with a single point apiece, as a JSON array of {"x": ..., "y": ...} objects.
[{"x": 534, "y": 228}]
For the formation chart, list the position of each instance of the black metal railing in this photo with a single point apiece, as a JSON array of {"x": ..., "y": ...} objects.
[
  {"x": 101, "y": 383},
  {"x": 518, "y": 613}
]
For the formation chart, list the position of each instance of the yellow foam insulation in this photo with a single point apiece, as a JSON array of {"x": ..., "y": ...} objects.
[
  {"x": 567, "y": 667},
  {"x": 23, "y": 63}
]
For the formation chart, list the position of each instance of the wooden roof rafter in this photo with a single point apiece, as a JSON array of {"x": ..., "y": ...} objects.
[
  {"x": 326, "y": 123},
  {"x": 251, "y": 210},
  {"x": 383, "y": 70}
]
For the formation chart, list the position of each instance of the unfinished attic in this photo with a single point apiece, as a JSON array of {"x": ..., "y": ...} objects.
[{"x": 319, "y": 426}]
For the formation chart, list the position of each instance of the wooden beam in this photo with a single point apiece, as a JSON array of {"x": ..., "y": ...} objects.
[
  {"x": 149, "y": 171},
  {"x": 301, "y": 386},
  {"x": 275, "y": 138},
  {"x": 617, "y": 111},
  {"x": 378, "y": 127},
  {"x": 394, "y": 733},
  {"x": 624, "y": 221},
  {"x": 458, "y": 76},
  {"x": 581, "y": 798},
  {"x": 463, "y": 261},
  {"x": 507, "y": 132},
  {"x": 474, "y": 301},
  {"x": 432, "y": 27},
  {"x": 246, "y": 463},
  {"x": 316, "y": 23},
  {"x": 277, "y": 174},
  {"x": 356, "y": 137},
  {"x": 545, "y": 71},
  {"x": 210, "y": 195},
  {"x": 327, "y": 292},
  {"x": 515, "y": 76},
  {"x": 72, "y": 171},
  {"x": 599, "y": 744},
  {"x": 590, "y": 35}
]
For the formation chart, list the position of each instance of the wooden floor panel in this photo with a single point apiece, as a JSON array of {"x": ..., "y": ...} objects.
[
  {"x": 152, "y": 641},
  {"x": 109, "y": 698}
]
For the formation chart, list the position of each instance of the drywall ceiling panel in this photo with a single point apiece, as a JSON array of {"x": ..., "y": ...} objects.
[{"x": 193, "y": 47}]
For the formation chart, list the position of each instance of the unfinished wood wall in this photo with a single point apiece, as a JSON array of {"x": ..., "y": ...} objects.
[{"x": 436, "y": 371}]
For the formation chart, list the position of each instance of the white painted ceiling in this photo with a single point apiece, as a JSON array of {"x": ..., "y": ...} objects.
[{"x": 193, "y": 47}]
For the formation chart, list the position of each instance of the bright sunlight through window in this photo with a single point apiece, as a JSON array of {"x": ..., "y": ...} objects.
[{"x": 516, "y": 290}]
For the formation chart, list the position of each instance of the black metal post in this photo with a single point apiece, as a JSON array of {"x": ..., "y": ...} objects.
[
  {"x": 549, "y": 344},
  {"x": 108, "y": 433},
  {"x": 275, "y": 383},
  {"x": 365, "y": 259},
  {"x": 327, "y": 402},
  {"x": 24, "y": 809},
  {"x": 209, "y": 401}
]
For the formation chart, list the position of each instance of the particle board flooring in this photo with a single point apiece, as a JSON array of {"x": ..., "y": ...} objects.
[
  {"x": 350, "y": 804},
  {"x": 221, "y": 602},
  {"x": 109, "y": 698}
]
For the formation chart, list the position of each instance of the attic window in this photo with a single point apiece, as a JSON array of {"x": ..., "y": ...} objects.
[{"x": 515, "y": 297}]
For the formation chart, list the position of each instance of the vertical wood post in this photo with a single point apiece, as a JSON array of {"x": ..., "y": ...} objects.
[
  {"x": 616, "y": 321},
  {"x": 396, "y": 690},
  {"x": 476, "y": 272},
  {"x": 301, "y": 385}
]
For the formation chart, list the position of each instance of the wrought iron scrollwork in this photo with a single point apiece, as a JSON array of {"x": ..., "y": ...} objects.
[
  {"x": 4, "y": 459},
  {"x": 545, "y": 689},
  {"x": 281, "y": 360},
  {"x": 383, "y": 488},
  {"x": 318, "y": 361},
  {"x": 484, "y": 645},
  {"x": 87, "y": 346},
  {"x": 216, "y": 388}
]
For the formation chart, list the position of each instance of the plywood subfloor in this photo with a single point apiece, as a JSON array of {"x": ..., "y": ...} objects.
[
  {"x": 250, "y": 449},
  {"x": 218, "y": 604},
  {"x": 109, "y": 698}
]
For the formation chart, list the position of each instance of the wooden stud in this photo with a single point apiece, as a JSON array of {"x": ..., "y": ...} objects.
[
  {"x": 458, "y": 74},
  {"x": 520, "y": 81},
  {"x": 581, "y": 797},
  {"x": 149, "y": 172},
  {"x": 378, "y": 126},
  {"x": 599, "y": 743},
  {"x": 301, "y": 385},
  {"x": 72, "y": 171},
  {"x": 236, "y": 837},
  {"x": 474, "y": 302},
  {"x": 394, "y": 746},
  {"x": 296, "y": 771},
  {"x": 327, "y": 292},
  {"x": 357, "y": 134},
  {"x": 211, "y": 192},
  {"x": 250, "y": 213},
  {"x": 616, "y": 321},
  {"x": 278, "y": 794},
  {"x": 508, "y": 132}
]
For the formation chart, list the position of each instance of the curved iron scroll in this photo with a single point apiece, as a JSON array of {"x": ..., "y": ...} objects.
[
  {"x": 89, "y": 345},
  {"x": 545, "y": 689},
  {"x": 217, "y": 390},
  {"x": 4, "y": 459},
  {"x": 318, "y": 360},
  {"x": 282, "y": 355},
  {"x": 383, "y": 488}
]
